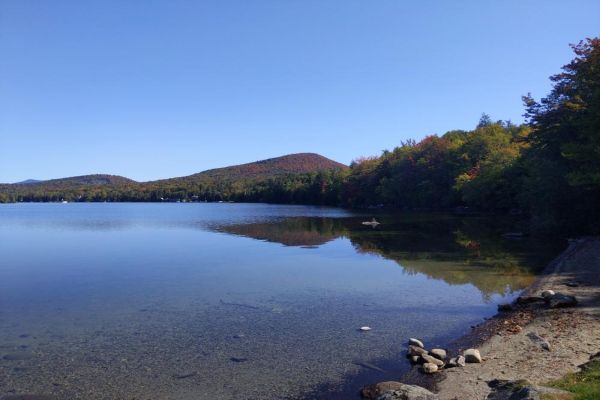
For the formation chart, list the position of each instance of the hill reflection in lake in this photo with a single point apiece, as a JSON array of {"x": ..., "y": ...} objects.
[{"x": 456, "y": 249}]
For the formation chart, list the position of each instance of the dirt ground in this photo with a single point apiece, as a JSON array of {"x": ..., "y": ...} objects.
[{"x": 511, "y": 344}]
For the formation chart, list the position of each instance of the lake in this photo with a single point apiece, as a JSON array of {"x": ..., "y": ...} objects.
[{"x": 239, "y": 301}]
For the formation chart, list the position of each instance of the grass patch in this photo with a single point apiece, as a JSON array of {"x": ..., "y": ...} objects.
[{"x": 584, "y": 384}]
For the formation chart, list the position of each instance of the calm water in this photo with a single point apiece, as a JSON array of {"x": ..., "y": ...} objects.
[{"x": 237, "y": 301}]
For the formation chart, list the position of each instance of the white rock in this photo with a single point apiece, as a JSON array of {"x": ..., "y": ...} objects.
[
  {"x": 365, "y": 328},
  {"x": 438, "y": 353},
  {"x": 548, "y": 293},
  {"x": 416, "y": 342},
  {"x": 472, "y": 356}
]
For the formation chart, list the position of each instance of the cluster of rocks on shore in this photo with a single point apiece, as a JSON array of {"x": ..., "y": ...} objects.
[
  {"x": 431, "y": 361},
  {"x": 436, "y": 359}
]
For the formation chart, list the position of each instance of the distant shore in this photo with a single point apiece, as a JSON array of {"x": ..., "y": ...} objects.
[{"x": 507, "y": 341}]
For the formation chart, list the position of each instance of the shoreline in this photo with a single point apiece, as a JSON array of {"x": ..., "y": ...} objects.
[{"x": 505, "y": 340}]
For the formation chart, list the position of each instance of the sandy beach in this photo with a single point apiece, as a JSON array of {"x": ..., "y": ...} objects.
[{"x": 530, "y": 340}]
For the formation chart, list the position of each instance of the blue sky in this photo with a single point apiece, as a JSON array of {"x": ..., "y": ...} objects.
[{"x": 155, "y": 89}]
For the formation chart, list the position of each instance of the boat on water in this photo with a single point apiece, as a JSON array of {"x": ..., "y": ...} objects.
[{"x": 373, "y": 222}]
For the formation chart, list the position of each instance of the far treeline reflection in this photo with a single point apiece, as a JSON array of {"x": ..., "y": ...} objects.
[{"x": 455, "y": 249}]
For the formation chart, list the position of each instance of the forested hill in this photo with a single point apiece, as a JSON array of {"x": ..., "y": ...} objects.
[
  {"x": 96, "y": 179},
  {"x": 238, "y": 182},
  {"x": 300, "y": 163}
]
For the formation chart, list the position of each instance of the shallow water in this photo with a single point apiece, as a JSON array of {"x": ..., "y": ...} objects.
[{"x": 237, "y": 301}]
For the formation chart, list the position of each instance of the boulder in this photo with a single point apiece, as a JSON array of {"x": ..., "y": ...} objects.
[
  {"x": 414, "y": 359},
  {"x": 392, "y": 390},
  {"x": 377, "y": 389},
  {"x": 413, "y": 394},
  {"x": 472, "y": 356},
  {"x": 438, "y": 353},
  {"x": 541, "y": 393},
  {"x": 560, "y": 300},
  {"x": 416, "y": 342},
  {"x": 538, "y": 340},
  {"x": 524, "y": 390},
  {"x": 432, "y": 360},
  {"x": 408, "y": 392},
  {"x": 429, "y": 368},
  {"x": 416, "y": 351},
  {"x": 460, "y": 361},
  {"x": 592, "y": 363}
]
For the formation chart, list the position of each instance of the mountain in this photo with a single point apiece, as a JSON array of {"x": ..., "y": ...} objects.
[
  {"x": 28, "y": 182},
  {"x": 96, "y": 179},
  {"x": 300, "y": 163}
]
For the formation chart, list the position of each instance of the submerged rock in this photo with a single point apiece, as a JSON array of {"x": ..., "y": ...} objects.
[
  {"x": 185, "y": 375},
  {"x": 17, "y": 356},
  {"x": 410, "y": 394},
  {"x": 392, "y": 390},
  {"x": 368, "y": 365},
  {"x": 377, "y": 389},
  {"x": 27, "y": 397},
  {"x": 472, "y": 356}
]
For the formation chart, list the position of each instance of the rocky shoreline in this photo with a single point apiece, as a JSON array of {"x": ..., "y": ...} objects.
[{"x": 551, "y": 329}]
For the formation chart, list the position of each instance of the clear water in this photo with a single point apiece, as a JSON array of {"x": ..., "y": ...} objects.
[{"x": 237, "y": 301}]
